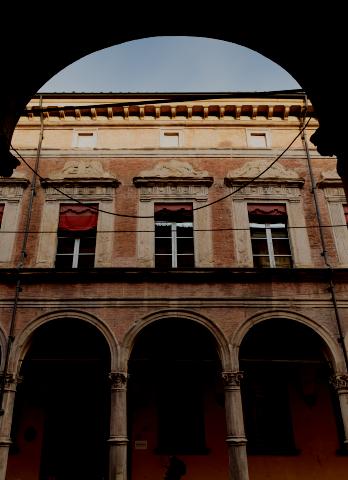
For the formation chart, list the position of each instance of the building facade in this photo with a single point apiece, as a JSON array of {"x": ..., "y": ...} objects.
[{"x": 173, "y": 291}]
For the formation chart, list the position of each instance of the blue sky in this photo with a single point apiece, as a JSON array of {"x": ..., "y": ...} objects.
[{"x": 172, "y": 64}]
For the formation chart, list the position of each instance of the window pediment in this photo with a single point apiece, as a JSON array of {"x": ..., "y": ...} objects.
[
  {"x": 330, "y": 178},
  {"x": 11, "y": 188},
  {"x": 277, "y": 174},
  {"x": 80, "y": 177},
  {"x": 173, "y": 172}
]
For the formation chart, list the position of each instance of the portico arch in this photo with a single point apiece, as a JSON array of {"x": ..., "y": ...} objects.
[
  {"x": 60, "y": 426},
  {"x": 292, "y": 412},
  {"x": 220, "y": 339},
  {"x": 333, "y": 351},
  {"x": 22, "y": 342}
]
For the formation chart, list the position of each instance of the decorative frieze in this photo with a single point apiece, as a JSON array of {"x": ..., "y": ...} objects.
[
  {"x": 173, "y": 191},
  {"x": 275, "y": 190},
  {"x": 11, "y": 189}
]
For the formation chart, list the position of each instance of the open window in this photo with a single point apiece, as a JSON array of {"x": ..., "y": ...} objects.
[
  {"x": 77, "y": 231},
  {"x": 269, "y": 235},
  {"x": 174, "y": 243}
]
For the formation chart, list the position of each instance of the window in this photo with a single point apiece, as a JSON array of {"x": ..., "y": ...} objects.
[
  {"x": 76, "y": 236},
  {"x": 85, "y": 139},
  {"x": 174, "y": 245},
  {"x": 345, "y": 209},
  {"x": 269, "y": 235},
  {"x": 170, "y": 139},
  {"x": 1, "y": 212},
  {"x": 258, "y": 139}
]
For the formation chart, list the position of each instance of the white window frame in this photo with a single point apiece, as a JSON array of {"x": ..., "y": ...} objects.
[
  {"x": 269, "y": 239},
  {"x": 252, "y": 133},
  {"x": 174, "y": 238},
  {"x": 78, "y": 133},
  {"x": 171, "y": 132},
  {"x": 76, "y": 254}
]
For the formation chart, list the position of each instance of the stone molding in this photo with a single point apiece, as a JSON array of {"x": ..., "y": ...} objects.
[
  {"x": 330, "y": 178},
  {"x": 237, "y": 441},
  {"x": 11, "y": 189}
]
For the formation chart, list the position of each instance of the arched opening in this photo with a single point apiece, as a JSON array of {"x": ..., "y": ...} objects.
[
  {"x": 60, "y": 423},
  {"x": 291, "y": 413},
  {"x": 175, "y": 403},
  {"x": 319, "y": 76}
]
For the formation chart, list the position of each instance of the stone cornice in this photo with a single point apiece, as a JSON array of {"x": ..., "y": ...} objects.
[
  {"x": 164, "y": 181},
  {"x": 330, "y": 178},
  {"x": 219, "y": 109},
  {"x": 82, "y": 182},
  {"x": 196, "y": 275},
  {"x": 14, "y": 182}
]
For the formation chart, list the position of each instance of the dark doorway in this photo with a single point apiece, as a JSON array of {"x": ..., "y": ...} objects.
[
  {"x": 173, "y": 367},
  {"x": 65, "y": 379},
  {"x": 286, "y": 383}
]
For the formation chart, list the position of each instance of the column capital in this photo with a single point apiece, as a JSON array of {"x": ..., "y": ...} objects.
[
  {"x": 118, "y": 380},
  {"x": 11, "y": 380},
  {"x": 232, "y": 379},
  {"x": 340, "y": 382}
]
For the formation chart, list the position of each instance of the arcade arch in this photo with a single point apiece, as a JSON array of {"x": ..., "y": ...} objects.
[{"x": 60, "y": 425}]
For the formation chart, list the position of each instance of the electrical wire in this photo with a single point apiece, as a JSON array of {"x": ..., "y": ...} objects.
[
  {"x": 194, "y": 209},
  {"x": 225, "y": 229}
]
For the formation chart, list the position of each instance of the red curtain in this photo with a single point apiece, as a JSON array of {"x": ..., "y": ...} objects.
[
  {"x": 173, "y": 207},
  {"x": 78, "y": 217},
  {"x": 267, "y": 209},
  {"x": 345, "y": 209},
  {"x": 1, "y": 211}
]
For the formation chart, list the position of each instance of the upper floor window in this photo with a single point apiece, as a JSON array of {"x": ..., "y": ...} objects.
[
  {"x": 77, "y": 231},
  {"x": 1, "y": 211},
  {"x": 174, "y": 245},
  {"x": 84, "y": 139},
  {"x": 269, "y": 235},
  {"x": 258, "y": 139},
  {"x": 170, "y": 138}
]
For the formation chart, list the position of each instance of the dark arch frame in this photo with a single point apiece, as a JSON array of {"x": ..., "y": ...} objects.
[{"x": 30, "y": 61}]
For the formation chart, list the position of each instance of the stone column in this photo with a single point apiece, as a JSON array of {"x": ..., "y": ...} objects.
[
  {"x": 118, "y": 427},
  {"x": 11, "y": 383},
  {"x": 340, "y": 384},
  {"x": 236, "y": 440}
]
